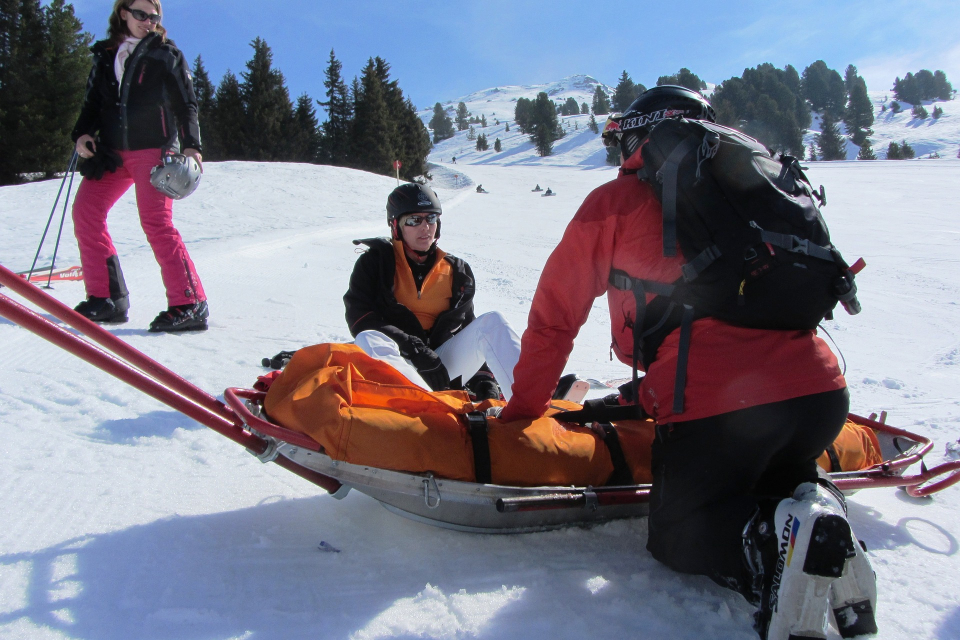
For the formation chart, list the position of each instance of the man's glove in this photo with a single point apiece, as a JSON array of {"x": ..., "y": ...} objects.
[
  {"x": 428, "y": 364},
  {"x": 103, "y": 160}
]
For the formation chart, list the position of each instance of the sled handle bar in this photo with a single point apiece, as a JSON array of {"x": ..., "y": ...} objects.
[
  {"x": 235, "y": 397},
  {"x": 174, "y": 398},
  {"x": 112, "y": 343}
]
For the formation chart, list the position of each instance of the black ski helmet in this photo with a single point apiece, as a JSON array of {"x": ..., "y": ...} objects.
[
  {"x": 411, "y": 197},
  {"x": 659, "y": 103}
]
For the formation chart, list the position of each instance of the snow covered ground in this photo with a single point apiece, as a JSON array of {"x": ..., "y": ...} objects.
[{"x": 120, "y": 518}]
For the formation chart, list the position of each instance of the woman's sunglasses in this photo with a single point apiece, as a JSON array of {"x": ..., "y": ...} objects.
[
  {"x": 414, "y": 221},
  {"x": 143, "y": 16}
]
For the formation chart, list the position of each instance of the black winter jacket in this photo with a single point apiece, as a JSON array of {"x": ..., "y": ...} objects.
[
  {"x": 371, "y": 305},
  {"x": 154, "y": 107}
]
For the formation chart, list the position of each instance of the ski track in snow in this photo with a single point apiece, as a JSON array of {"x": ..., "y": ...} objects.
[{"x": 124, "y": 519}]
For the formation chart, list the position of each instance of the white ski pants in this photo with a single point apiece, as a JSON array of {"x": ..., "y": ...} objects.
[{"x": 489, "y": 338}]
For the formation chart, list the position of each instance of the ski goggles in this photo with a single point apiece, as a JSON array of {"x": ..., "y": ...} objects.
[
  {"x": 143, "y": 16},
  {"x": 415, "y": 220},
  {"x": 611, "y": 131}
]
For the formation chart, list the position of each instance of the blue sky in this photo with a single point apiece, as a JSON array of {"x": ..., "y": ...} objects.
[{"x": 443, "y": 50}]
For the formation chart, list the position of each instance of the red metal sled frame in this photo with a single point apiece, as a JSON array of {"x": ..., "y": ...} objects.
[
  {"x": 145, "y": 374},
  {"x": 139, "y": 371}
]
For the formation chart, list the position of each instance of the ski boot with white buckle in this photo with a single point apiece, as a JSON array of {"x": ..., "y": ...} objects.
[{"x": 814, "y": 542}]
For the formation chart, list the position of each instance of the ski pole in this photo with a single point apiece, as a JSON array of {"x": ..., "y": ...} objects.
[{"x": 71, "y": 166}]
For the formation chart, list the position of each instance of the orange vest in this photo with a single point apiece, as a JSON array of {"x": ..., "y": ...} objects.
[{"x": 434, "y": 295}]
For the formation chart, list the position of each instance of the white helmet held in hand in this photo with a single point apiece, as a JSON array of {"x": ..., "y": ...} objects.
[{"x": 177, "y": 177}]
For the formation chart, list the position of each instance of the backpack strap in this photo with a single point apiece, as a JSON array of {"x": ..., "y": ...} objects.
[
  {"x": 683, "y": 351},
  {"x": 794, "y": 244},
  {"x": 668, "y": 175}
]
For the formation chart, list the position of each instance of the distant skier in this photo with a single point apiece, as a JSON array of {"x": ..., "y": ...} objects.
[
  {"x": 537, "y": 188},
  {"x": 454, "y": 159},
  {"x": 411, "y": 304},
  {"x": 480, "y": 189},
  {"x": 549, "y": 192}
]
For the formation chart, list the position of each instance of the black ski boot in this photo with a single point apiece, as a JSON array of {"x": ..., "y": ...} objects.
[
  {"x": 104, "y": 310},
  {"x": 183, "y": 317},
  {"x": 483, "y": 386}
]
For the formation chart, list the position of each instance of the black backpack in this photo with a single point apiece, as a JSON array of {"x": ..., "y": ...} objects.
[{"x": 757, "y": 250}]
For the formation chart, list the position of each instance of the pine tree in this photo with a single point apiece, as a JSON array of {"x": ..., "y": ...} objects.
[
  {"x": 601, "y": 103},
  {"x": 523, "y": 114},
  {"x": 471, "y": 133},
  {"x": 893, "y": 151},
  {"x": 462, "y": 115},
  {"x": 305, "y": 145},
  {"x": 373, "y": 130},
  {"x": 831, "y": 144},
  {"x": 66, "y": 64},
  {"x": 866, "y": 151},
  {"x": 506, "y": 127},
  {"x": 441, "y": 124},
  {"x": 21, "y": 53},
  {"x": 850, "y": 75},
  {"x": 683, "y": 78},
  {"x": 497, "y": 146},
  {"x": 229, "y": 118},
  {"x": 823, "y": 88},
  {"x": 906, "y": 151},
  {"x": 592, "y": 124},
  {"x": 269, "y": 112},
  {"x": 482, "y": 144},
  {"x": 765, "y": 103},
  {"x": 545, "y": 125},
  {"x": 584, "y": 108},
  {"x": 614, "y": 157},
  {"x": 206, "y": 99},
  {"x": 937, "y": 112},
  {"x": 335, "y": 148},
  {"x": 858, "y": 116},
  {"x": 920, "y": 112},
  {"x": 410, "y": 138},
  {"x": 483, "y": 121},
  {"x": 625, "y": 93},
  {"x": 570, "y": 107}
]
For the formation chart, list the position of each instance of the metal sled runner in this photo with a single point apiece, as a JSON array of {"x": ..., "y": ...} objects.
[{"x": 458, "y": 505}]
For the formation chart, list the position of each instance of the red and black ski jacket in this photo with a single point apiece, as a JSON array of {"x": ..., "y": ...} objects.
[
  {"x": 371, "y": 305},
  {"x": 620, "y": 227},
  {"x": 154, "y": 107}
]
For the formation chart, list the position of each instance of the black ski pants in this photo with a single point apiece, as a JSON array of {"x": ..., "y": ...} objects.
[{"x": 711, "y": 475}]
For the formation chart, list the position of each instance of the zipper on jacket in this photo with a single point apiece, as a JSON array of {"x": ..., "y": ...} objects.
[{"x": 132, "y": 62}]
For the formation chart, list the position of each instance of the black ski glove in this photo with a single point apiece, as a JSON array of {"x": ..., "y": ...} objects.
[
  {"x": 428, "y": 364},
  {"x": 278, "y": 361},
  {"x": 104, "y": 160}
]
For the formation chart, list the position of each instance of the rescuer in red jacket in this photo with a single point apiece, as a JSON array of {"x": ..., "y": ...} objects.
[{"x": 760, "y": 405}]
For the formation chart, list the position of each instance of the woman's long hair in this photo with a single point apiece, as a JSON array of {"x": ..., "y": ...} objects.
[{"x": 117, "y": 29}]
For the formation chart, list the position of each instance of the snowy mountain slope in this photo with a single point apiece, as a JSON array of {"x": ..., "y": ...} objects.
[
  {"x": 582, "y": 149},
  {"x": 120, "y": 518}
]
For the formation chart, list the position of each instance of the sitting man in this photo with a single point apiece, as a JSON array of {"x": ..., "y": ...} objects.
[{"x": 411, "y": 304}]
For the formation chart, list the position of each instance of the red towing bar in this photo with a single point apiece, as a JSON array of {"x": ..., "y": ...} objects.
[{"x": 139, "y": 371}]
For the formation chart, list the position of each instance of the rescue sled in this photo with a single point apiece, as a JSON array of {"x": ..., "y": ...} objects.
[{"x": 454, "y": 504}]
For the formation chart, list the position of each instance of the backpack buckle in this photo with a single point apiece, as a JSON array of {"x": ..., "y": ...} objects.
[{"x": 800, "y": 245}]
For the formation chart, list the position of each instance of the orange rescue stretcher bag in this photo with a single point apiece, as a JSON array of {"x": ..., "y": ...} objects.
[{"x": 363, "y": 411}]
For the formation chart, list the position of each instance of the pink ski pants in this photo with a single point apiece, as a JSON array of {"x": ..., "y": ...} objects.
[{"x": 94, "y": 200}]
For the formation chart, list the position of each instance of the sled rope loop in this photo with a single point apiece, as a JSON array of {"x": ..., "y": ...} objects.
[{"x": 758, "y": 253}]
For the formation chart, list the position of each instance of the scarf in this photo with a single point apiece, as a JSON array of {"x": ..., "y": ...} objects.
[{"x": 120, "y": 63}]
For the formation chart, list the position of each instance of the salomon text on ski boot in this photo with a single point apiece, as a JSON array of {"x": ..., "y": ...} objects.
[{"x": 813, "y": 546}]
